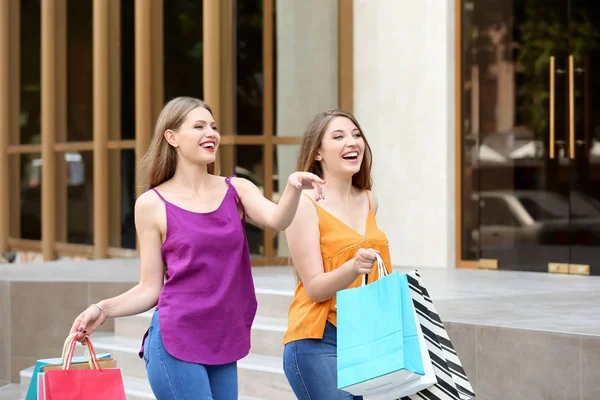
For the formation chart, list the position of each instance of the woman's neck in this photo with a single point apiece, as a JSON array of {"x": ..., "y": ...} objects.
[
  {"x": 338, "y": 189},
  {"x": 191, "y": 176}
]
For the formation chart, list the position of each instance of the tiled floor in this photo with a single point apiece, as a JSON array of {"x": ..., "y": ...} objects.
[
  {"x": 10, "y": 392},
  {"x": 528, "y": 300}
]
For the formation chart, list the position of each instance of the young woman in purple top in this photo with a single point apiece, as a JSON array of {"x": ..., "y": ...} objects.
[{"x": 194, "y": 258}]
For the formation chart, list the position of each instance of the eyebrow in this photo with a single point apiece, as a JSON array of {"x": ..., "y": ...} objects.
[
  {"x": 203, "y": 122},
  {"x": 341, "y": 131}
]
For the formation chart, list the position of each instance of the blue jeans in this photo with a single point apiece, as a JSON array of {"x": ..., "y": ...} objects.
[
  {"x": 310, "y": 366},
  {"x": 173, "y": 379}
]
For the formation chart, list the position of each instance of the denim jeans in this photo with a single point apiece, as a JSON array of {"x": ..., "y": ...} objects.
[
  {"x": 173, "y": 379},
  {"x": 310, "y": 366}
]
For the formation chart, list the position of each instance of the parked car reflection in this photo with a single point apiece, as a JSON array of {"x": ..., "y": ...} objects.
[{"x": 515, "y": 226}]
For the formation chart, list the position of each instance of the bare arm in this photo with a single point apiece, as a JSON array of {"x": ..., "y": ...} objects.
[
  {"x": 268, "y": 214},
  {"x": 144, "y": 295},
  {"x": 304, "y": 243}
]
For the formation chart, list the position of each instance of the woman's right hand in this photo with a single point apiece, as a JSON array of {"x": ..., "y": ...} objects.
[
  {"x": 364, "y": 261},
  {"x": 87, "y": 322}
]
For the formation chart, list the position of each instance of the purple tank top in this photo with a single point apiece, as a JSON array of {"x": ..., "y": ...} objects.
[{"x": 207, "y": 304}]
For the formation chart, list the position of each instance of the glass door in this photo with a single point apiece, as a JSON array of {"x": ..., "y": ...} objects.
[
  {"x": 584, "y": 135},
  {"x": 519, "y": 113}
]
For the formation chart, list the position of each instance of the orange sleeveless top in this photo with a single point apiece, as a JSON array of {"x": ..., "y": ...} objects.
[{"x": 339, "y": 243}]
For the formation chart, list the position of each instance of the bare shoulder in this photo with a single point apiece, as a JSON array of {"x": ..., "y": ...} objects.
[
  {"x": 306, "y": 207},
  {"x": 374, "y": 201},
  {"x": 148, "y": 206},
  {"x": 242, "y": 184},
  {"x": 148, "y": 202}
]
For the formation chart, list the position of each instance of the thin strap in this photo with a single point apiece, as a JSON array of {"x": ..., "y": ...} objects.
[
  {"x": 238, "y": 200},
  {"x": 159, "y": 195},
  {"x": 369, "y": 199},
  {"x": 311, "y": 199}
]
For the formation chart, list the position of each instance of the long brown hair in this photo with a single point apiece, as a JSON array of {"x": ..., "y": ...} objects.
[
  {"x": 160, "y": 161},
  {"x": 311, "y": 142}
]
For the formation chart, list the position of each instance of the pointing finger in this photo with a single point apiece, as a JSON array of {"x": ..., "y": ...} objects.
[
  {"x": 318, "y": 191},
  {"x": 320, "y": 180}
]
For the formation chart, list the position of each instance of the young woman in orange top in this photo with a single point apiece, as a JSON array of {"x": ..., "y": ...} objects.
[{"x": 332, "y": 244}]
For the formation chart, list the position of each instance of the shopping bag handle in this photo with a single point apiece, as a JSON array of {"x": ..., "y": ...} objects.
[
  {"x": 66, "y": 347},
  {"x": 90, "y": 353},
  {"x": 381, "y": 270}
]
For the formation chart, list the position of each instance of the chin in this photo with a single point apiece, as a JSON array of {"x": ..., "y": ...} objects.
[
  {"x": 206, "y": 160},
  {"x": 349, "y": 172}
]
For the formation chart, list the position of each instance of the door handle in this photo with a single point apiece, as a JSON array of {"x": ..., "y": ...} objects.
[
  {"x": 551, "y": 138},
  {"x": 571, "y": 107}
]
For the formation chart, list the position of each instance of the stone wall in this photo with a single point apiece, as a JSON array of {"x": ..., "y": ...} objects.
[{"x": 39, "y": 302}]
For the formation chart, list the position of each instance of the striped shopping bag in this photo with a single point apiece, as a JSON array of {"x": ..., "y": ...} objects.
[{"x": 452, "y": 381}]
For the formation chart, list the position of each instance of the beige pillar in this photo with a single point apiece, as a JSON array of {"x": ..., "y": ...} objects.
[
  {"x": 114, "y": 131},
  {"x": 158, "y": 67},
  {"x": 346, "y": 54},
  {"x": 101, "y": 120},
  {"x": 404, "y": 77},
  {"x": 60, "y": 96},
  {"x": 211, "y": 35},
  {"x": 143, "y": 79},
  {"x": 48, "y": 122},
  {"x": 227, "y": 76}
]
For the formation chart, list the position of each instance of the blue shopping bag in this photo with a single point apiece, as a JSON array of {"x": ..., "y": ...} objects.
[
  {"x": 33, "y": 384},
  {"x": 377, "y": 336}
]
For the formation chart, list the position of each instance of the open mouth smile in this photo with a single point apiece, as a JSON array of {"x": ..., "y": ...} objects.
[
  {"x": 208, "y": 146},
  {"x": 350, "y": 156}
]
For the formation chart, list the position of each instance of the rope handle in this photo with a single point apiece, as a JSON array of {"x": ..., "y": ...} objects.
[
  {"x": 381, "y": 270},
  {"x": 69, "y": 352}
]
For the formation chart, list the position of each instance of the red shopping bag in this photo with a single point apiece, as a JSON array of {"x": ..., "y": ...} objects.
[{"x": 88, "y": 384}]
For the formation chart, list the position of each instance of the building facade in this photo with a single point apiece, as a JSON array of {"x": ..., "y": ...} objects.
[{"x": 482, "y": 117}]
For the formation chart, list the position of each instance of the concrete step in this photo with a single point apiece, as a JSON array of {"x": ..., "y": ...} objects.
[
  {"x": 259, "y": 375},
  {"x": 263, "y": 377},
  {"x": 125, "y": 351},
  {"x": 11, "y": 392},
  {"x": 133, "y": 327},
  {"x": 267, "y": 336},
  {"x": 135, "y": 389},
  {"x": 267, "y": 332},
  {"x": 272, "y": 303}
]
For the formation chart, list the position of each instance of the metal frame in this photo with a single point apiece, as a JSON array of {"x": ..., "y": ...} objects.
[
  {"x": 15, "y": 127},
  {"x": 5, "y": 124},
  {"x": 460, "y": 263},
  {"x": 218, "y": 73}
]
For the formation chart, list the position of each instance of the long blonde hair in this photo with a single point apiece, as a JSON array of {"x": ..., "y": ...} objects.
[{"x": 160, "y": 161}]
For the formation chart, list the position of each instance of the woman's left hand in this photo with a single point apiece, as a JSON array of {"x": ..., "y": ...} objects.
[{"x": 307, "y": 180}]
